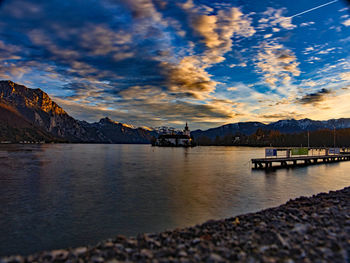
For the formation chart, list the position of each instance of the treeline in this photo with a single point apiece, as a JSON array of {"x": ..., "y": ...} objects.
[
  {"x": 320, "y": 138},
  {"x": 31, "y": 134}
]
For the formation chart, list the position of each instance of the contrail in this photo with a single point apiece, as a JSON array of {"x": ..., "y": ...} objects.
[{"x": 317, "y": 7}]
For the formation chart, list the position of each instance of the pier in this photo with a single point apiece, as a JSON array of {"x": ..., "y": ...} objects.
[{"x": 292, "y": 157}]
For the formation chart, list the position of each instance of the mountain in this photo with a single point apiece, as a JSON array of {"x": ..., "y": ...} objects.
[
  {"x": 37, "y": 108},
  {"x": 30, "y": 115},
  {"x": 283, "y": 126},
  {"x": 110, "y": 131},
  {"x": 246, "y": 128},
  {"x": 14, "y": 127},
  {"x": 296, "y": 126}
]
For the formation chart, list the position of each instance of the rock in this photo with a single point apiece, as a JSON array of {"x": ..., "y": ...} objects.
[
  {"x": 271, "y": 235},
  {"x": 97, "y": 259},
  {"x": 195, "y": 241},
  {"x": 146, "y": 253},
  {"x": 80, "y": 251},
  {"x": 182, "y": 253},
  {"x": 59, "y": 254},
  {"x": 215, "y": 258}
]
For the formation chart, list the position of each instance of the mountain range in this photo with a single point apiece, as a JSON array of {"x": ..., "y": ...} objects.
[
  {"x": 31, "y": 115},
  {"x": 283, "y": 126}
]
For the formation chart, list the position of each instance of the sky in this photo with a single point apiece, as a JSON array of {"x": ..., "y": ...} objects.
[{"x": 164, "y": 62}]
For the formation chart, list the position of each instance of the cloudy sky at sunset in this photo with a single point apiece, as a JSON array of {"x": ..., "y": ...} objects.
[{"x": 164, "y": 62}]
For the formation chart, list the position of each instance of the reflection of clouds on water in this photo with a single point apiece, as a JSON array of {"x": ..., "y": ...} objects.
[
  {"x": 62, "y": 195},
  {"x": 203, "y": 183},
  {"x": 20, "y": 182}
]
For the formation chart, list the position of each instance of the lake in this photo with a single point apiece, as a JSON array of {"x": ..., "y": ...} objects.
[{"x": 68, "y": 195}]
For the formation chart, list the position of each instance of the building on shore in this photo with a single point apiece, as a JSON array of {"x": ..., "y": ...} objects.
[{"x": 181, "y": 139}]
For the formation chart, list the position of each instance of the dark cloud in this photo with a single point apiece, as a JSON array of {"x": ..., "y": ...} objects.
[
  {"x": 141, "y": 60},
  {"x": 80, "y": 40},
  {"x": 314, "y": 98}
]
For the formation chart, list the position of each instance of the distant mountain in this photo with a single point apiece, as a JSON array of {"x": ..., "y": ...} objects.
[
  {"x": 295, "y": 126},
  {"x": 283, "y": 126},
  {"x": 246, "y": 128},
  {"x": 30, "y": 115},
  {"x": 110, "y": 131}
]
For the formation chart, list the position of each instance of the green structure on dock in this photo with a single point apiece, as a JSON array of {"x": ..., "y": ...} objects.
[{"x": 289, "y": 157}]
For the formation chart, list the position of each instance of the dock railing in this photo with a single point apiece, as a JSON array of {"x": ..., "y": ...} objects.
[{"x": 292, "y": 156}]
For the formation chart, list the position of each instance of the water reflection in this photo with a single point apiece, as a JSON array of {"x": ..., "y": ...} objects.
[{"x": 55, "y": 196}]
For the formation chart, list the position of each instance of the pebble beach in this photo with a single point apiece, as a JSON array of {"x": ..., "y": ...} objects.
[{"x": 306, "y": 229}]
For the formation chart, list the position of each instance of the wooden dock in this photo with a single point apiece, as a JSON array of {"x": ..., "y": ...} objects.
[{"x": 291, "y": 161}]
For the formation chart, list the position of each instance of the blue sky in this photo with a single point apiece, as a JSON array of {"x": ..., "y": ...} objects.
[{"x": 162, "y": 62}]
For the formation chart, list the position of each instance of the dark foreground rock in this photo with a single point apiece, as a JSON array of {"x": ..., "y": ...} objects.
[{"x": 315, "y": 229}]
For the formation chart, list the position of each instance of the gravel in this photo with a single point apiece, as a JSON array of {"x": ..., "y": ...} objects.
[{"x": 307, "y": 229}]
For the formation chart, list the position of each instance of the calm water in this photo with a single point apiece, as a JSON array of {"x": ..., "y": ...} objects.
[{"x": 57, "y": 196}]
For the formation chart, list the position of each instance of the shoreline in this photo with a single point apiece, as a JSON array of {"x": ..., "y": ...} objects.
[{"x": 305, "y": 229}]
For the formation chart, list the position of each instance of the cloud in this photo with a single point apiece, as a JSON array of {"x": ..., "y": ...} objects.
[
  {"x": 142, "y": 9},
  {"x": 314, "y": 98},
  {"x": 345, "y": 76},
  {"x": 273, "y": 17},
  {"x": 100, "y": 40},
  {"x": 308, "y": 49},
  {"x": 309, "y": 83},
  {"x": 326, "y": 51},
  {"x": 232, "y": 88},
  {"x": 144, "y": 93},
  {"x": 189, "y": 75},
  {"x": 307, "y": 24},
  {"x": 313, "y": 59},
  {"x": 277, "y": 63},
  {"x": 216, "y": 31},
  {"x": 11, "y": 70},
  {"x": 137, "y": 104},
  {"x": 127, "y": 63},
  {"x": 153, "y": 102},
  {"x": 9, "y": 52},
  {"x": 242, "y": 64},
  {"x": 152, "y": 62},
  {"x": 346, "y": 22},
  {"x": 282, "y": 116},
  {"x": 205, "y": 26}
]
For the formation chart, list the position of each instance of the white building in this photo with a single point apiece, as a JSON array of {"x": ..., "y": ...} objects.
[{"x": 179, "y": 139}]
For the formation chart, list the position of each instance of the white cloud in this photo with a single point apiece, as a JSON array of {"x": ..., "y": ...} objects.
[
  {"x": 216, "y": 31},
  {"x": 326, "y": 51},
  {"x": 232, "y": 88},
  {"x": 345, "y": 76},
  {"x": 346, "y": 22},
  {"x": 309, "y": 83},
  {"x": 243, "y": 64},
  {"x": 313, "y": 58},
  {"x": 277, "y": 63},
  {"x": 307, "y": 24},
  {"x": 273, "y": 17},
  {"x": 308, "y": 49}
]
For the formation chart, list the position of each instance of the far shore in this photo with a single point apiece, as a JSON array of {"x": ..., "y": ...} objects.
[{"x": 306, "y": 229}]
